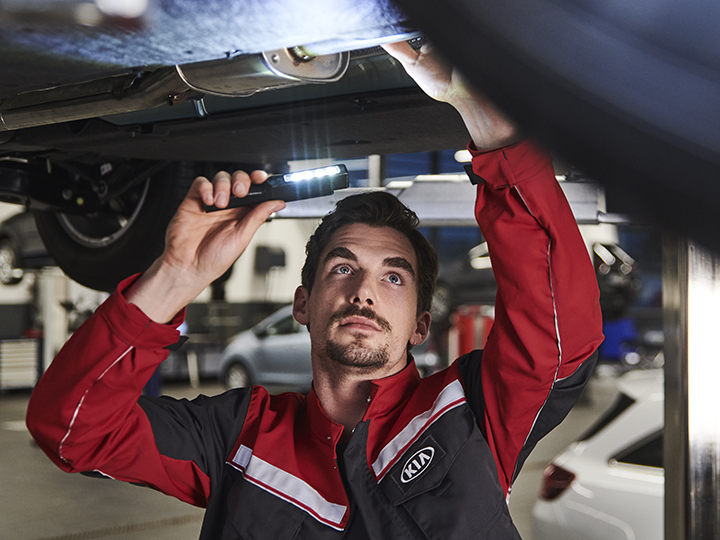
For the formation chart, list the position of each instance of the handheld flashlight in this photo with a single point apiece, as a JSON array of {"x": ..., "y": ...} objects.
[{"x": 292, "y": 187}]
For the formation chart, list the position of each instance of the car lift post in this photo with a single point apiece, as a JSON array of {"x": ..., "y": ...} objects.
[
  {"x": 691, "y": 300},
  {"x": 53, "y": 288}
]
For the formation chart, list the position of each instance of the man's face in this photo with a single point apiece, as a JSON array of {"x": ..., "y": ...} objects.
[{"x": 362, "y": 311}]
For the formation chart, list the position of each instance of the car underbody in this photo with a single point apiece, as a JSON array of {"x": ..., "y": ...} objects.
[{"x": 106, "y": 115}]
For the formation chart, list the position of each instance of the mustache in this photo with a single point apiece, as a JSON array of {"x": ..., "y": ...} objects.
[{"x": 366, "y": 312}]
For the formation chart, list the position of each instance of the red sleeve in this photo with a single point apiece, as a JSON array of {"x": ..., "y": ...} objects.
[
  {"x": 84, "y": 412},
  {"x": 547, "y": 311}
]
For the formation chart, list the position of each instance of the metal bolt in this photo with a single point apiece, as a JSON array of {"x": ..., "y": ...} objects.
[
  {"x": 300, "y": 55},
  {"x": 101, "y": 188},
  {"x": 67, "y": 194}
]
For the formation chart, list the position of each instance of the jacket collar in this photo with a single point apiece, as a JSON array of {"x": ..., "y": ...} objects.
[{"x": 386, "y": 394}]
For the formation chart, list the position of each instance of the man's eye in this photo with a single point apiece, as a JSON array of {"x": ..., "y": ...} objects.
[
  {"x": 394, "y": 278},
  {"x": 343, "y": 269}
]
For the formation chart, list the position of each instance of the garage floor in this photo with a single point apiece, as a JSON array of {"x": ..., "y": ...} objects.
[{"x": 40, "y": 502}]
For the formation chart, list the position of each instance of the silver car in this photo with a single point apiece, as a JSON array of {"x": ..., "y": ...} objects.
[{"x": 274, "y": 351}]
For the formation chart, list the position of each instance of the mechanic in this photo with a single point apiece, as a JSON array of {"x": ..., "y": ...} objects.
[{"x": 373, "y": 451}]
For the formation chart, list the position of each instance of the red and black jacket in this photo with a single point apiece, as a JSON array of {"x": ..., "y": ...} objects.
[{"x": 432, "y": 458}]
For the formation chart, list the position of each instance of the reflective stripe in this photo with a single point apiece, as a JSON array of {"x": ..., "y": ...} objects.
[
  {"x": 288, "y": 487},
  {"x": 451, "y": 396},
  {"x": 242, "y": 457},
  {"x": 105, "y": 475}
]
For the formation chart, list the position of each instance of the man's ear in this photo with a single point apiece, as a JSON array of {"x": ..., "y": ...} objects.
[
  {"x": 422, "y": 328},
  {"x": 300, "y": 303}
]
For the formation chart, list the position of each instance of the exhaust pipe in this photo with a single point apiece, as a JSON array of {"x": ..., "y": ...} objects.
[{"x": 240, "y": 76}]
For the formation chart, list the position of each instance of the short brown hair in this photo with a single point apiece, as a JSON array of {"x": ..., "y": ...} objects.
[{"x": 377, "y": 209}]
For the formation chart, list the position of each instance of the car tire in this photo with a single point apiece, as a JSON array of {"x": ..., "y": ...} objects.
[
  {"x": 10, "y": 274},
  {"x": 101, "y": 249},
  {"x": 236, "y": 376}
]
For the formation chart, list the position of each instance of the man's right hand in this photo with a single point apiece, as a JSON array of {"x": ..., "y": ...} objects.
[
  {"x": 489, "y": 128},
  {"x": 200, "y": 246}
]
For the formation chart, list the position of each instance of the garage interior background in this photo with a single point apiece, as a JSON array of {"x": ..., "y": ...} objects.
[{"x": 48, "y": 304}]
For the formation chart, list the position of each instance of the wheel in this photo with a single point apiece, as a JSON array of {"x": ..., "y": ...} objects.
[
  {"x": 99, "y": 250},
  {"x": 10, "y": 274},
  {"x": 237, "y": 376}
]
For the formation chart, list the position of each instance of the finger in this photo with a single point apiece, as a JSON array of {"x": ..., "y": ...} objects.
[
  {"x": 263, "y": 211},
  {"x": 256, "y": 216},
  {"x": 203, "y": 188},
  {"x": 221, "y": 189},
  {"x": 258, "y": 176},
  {"x": 402, "y": 51},
  {"x": 240, "y": 183}
]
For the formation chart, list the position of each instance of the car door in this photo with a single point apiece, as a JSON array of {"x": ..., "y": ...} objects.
[{"x": 283, "y": 352}]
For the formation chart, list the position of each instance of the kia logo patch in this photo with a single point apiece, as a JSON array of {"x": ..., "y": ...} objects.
[{"x": 417, "y": 464}]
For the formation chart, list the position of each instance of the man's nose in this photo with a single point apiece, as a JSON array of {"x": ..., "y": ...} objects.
[{"x": 364, "y": 291}]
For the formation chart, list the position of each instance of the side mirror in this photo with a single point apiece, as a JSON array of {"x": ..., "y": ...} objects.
[{"x": 260, "y": 332}]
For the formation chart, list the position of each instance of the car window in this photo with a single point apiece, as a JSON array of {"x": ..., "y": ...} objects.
[
  {"x": 286, "y": 325},
  {"x": 648, "y": 452},
  {"x": 623, "y": 402}
]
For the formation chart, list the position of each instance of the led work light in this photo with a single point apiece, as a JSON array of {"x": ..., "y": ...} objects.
[{"x": 293, "y": 187}]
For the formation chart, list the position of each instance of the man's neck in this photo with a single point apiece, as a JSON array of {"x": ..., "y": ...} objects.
[
  {"x": 344, "y": 394},
  {"x": 344, "y": 400}
]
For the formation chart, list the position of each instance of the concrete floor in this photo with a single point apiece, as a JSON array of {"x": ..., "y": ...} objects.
[{"x": 40, "y": 502}]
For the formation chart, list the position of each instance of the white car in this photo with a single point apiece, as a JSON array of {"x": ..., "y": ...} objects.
[{"x": 609, "y": 485}]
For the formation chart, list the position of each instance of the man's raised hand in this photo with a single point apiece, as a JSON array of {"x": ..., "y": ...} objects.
[
  {"x": 488, "y": 127},
  {"x": 200, "y": 246}
]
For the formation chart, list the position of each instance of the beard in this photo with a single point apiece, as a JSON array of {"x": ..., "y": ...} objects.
[{"x": 357, "y": 354}]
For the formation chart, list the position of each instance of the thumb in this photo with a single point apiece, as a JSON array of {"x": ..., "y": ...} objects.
[
  {"x": 402, "y": 51},
  {"x": 258, "y": 215}
]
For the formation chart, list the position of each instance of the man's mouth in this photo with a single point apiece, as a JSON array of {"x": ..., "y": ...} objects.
[
  {"x": 360, "y": 323},
  {"x": 360, "y": 318}
]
